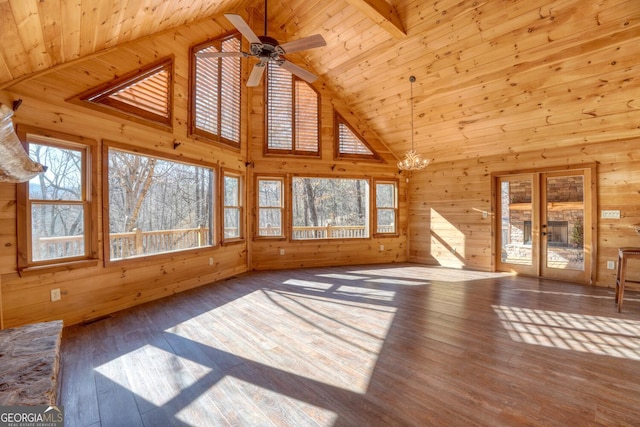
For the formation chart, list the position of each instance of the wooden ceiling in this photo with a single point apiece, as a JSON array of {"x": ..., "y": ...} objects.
[{"x": 492, "y": 76}]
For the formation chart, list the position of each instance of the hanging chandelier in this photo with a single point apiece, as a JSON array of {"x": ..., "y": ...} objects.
[{"x": 412, "y": 160}]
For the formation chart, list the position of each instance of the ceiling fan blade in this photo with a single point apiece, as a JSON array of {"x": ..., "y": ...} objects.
[
  {"x": 243, "y": 27},
  {"x": 310, "y": 42},
  {"x": 220, "y": 54},
  {"x": 256, "y": 74},
  {"x": 299, "y": 71}
]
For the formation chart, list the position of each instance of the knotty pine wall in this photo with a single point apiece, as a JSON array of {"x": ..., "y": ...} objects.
[
  {"x": 446, "y": 225},
  {"x": 92, "y": 292}
]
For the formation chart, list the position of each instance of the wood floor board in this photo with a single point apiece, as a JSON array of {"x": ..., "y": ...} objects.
[{"x": 400, "y": 344}]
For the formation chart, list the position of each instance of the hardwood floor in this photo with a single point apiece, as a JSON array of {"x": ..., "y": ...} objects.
[{"x": 373, "y": 345}]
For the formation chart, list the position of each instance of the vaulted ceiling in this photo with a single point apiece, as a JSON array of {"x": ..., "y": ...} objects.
[{"x": 492, "y": 76}]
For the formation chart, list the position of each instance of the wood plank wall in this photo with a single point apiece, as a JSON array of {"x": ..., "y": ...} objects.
[
  {"x": 446, "y": 203},
  {"x": 93, "y": 292}
]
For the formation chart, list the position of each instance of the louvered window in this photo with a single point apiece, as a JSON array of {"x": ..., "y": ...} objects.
[
  {"x": 215, "y": 92},
  {"x": 293, "y": 124},
  {"x": 144, "y": 94},
  {"x": 349, "y": 144}
]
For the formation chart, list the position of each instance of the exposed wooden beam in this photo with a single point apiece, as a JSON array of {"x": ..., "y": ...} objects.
[{"x": 383, "y": 14}]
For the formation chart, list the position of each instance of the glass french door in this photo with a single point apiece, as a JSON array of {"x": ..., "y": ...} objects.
[{"x": 543, "y": 224}]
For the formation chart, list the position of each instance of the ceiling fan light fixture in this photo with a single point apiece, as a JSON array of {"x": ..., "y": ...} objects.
[{"x": 412, "y": 160}]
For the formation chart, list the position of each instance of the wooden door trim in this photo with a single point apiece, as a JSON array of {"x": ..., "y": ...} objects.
[{"x": 589, "y": 171}]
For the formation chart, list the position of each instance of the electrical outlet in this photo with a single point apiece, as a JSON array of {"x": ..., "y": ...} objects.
[
  {"x": 610, "y": 214},
  {"x": 281, "y": 251},
  {"x": 55, "y": 294},
  {"x": 485, "y": 214},
  {"x": 210, "y": 260},
  {"x": 381, "y": 248},
  {"x": 611, "y": 265}
]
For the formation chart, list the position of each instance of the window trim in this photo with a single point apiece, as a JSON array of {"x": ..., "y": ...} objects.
[
  {"x": 89, "y": 148},
  {"x": 284, "y": 208},
  {"x": 374, "y": 206},
  {"x": 129, "y": 112},
  {"x": 106, "y": 144},
  {"x": 337, "y": 155},
  {"x": 241, "y": 206},
  {"x": 201, "y": 134},
  {"x": 293, "y": 152}
]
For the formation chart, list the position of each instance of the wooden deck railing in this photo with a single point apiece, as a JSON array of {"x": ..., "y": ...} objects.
[
  {"x": 138, "y": 242},
  {"x": 329, "y": 232}
]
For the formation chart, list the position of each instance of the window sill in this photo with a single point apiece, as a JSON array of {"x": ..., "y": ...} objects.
[{"x": 54, "y": 268}]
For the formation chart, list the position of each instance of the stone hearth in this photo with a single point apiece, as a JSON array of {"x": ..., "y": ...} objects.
[{"x": 29, "y": 363}]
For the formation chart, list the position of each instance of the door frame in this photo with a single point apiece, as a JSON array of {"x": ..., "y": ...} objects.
[{"x": 590, "y": 211}]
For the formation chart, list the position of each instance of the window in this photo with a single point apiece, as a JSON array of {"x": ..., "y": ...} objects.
[
  {"x": 292, "y": 114},
  {"x": 386, "y": 211},
  {"x": 330, "y": 208},
  {"x": 232, "y": 206},
  {"x": 349, "y": 144},
  {"x": 59, "y": 203},
  {"x": 270, "y": 207},
  {"x": 144, "y": 95},
  {"x": 156, "y": 205},
  {"x": 216, "y": 84}
]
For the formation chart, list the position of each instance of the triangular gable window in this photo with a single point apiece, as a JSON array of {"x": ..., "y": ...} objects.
[
  {"x": 144, "y": 94},
  {"x": 349, "y": 144}
]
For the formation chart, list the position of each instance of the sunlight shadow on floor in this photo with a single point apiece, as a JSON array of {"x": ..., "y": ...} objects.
[{"x": 599, "y": 335}]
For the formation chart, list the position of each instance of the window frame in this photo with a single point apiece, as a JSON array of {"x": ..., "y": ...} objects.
[
  {"x": 201, "y": 134},
  {"x": 89, "y": 201},
  {"x": 338, "y": 155},
  {"x": 284, "y": 211},
  {"x": 240, "y": 207},
  {"x": 374, "y": 206},
  {"x": 93, "y": 97},
  {"x": 106, "y": 145},
  {"x": 293, "y": 151}
]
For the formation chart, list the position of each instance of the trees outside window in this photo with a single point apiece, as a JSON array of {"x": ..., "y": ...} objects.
[
  {"x": 232, "y": 206},
  {"x": 270, "y": 207},
  {"x": 58, "y": 204},
  {"x": 157, "y": 205},
  {"x": 329, "y": 208},
  {"x": 386, "y": 211}
]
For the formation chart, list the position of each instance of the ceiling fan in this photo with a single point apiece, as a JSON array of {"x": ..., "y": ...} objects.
[{"x": 268, "y": 49}]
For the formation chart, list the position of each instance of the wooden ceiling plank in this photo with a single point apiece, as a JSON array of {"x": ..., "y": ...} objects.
[
  {"x": 71, "y": 12},
  {"x": 15, "y": 63},
  {"x": 88, "y": 24},
  {"x": 29, "y": 26},
  {"x": 51, "y": 21},
  {"x": 383, "y": 14}
]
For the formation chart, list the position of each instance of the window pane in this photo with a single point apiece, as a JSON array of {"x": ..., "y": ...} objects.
[
  {"x": 270, "y": 222},
  {"x": 57, "y": 231},
  {"x": 385, "y": 195},
  {"x": 231, "y": 222},
  {"x": 157, "y": 205},
  {"x": 230, "y": 92},
  {"x": 386, "y": 221},
  {"x": 326, "y": 208},
  {"x": 63, "y": 178},
  {"x": 306, "y": 118},
  {"x": 349, "y": 143},
  {"x": 231, "y": 191},
  {"x": 270, "y": 193},
  {"x": 280, "y": 108},
  {"x": 206, "y": 92}
]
